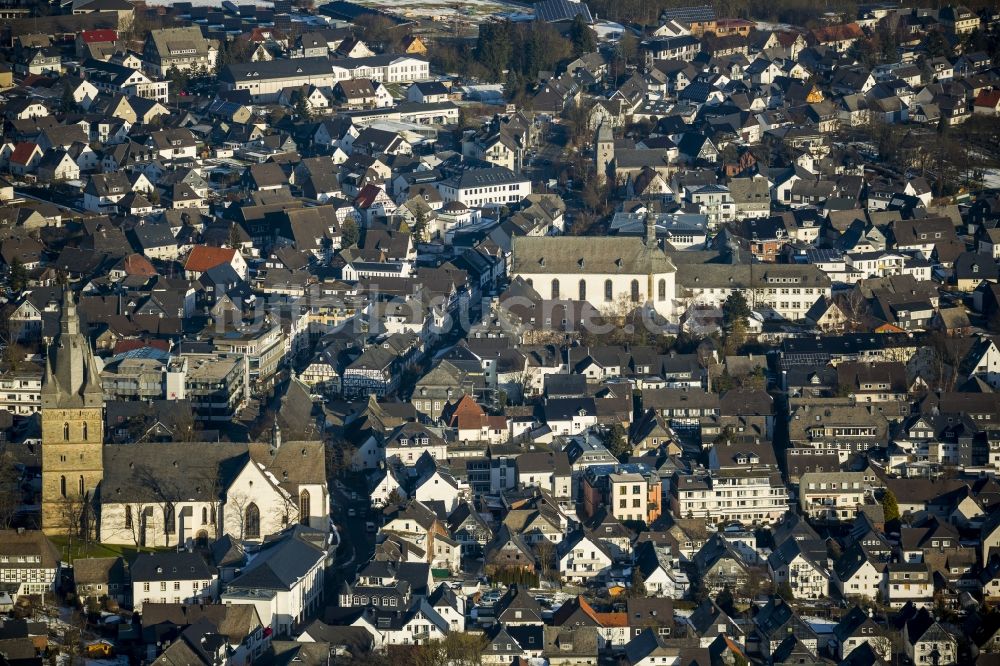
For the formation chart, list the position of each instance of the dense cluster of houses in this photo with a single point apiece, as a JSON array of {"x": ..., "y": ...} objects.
[{"x": 325, "y": 346}]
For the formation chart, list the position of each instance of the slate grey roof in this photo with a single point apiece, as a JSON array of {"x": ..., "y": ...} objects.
[
  {"x": 169, "y": 566},
  {"x": 279, "y": 68},
  {"x": 614, "y": 256},
  {"x": 200, "y": 470},
  {"x": 644, "y": 645},
  {"x": 226, "y": 551},
  {"x": 702, "y": 276},
  {"x": 434, "y": 87},
  {"x": 101, "y": 570},
  {"x": 279, "y": 566},
  {"x": 483, "y": 178}
]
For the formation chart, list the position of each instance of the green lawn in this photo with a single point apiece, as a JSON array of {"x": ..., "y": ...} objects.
[{"x": 81, "y": 550}]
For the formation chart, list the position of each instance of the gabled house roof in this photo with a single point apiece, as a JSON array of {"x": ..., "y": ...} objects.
[{"x": 204, "y": 257}]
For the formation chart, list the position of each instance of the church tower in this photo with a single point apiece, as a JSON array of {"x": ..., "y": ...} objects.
[
  {"x": 651, "y": 244},
  {"x": 604, "y": 153},
  {"x": 72, "y": 427}
]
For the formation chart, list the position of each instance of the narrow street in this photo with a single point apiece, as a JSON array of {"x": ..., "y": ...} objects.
[
  {"x": 357, "y": 545},
  {"x": 545, "y": 164}
]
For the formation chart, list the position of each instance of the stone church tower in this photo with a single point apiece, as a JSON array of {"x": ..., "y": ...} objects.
[
  {"x": 72, "y": 428},
  {"x": 604, "y": 150}
]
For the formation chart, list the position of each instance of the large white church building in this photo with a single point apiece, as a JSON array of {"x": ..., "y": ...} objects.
[{"x": 604, "y": 271}]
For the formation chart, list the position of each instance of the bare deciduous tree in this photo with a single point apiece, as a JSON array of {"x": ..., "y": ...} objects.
[
  {"x": 885, "y": 643},
  {"x": 10, "y": 488},
  {"x": 465, "y": 649},
  {"x": 945, "y": 360},
  {"x": 133, "y": 524},
  {"x": 856, "y": 309},
  {"x": 239, "y": 503},
  {"x": 523, "y": 384},
  {"x": 166, "y": 492},
  {"x": 546, "y": 554},
  {"x": 76, "y": 516}
]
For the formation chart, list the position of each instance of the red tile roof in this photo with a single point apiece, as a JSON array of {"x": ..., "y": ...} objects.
[
  {"x": 466, "y": 414},
  {"x": 988, "y": 98},
  {"x": 23, "y": 152},
  {"x": 604, "y": 619},
  {"x": 204, "y": 257},
  {"x": 837, "y": 33},
  {"x": 31, "y": 79},
  {"x": 367, "y": 196},
  {"x": 786, "y": 38},
  {"x": 137, "y": 264},
  {"x": 98, "y": 36},
  {"x": 259, "y": 35}
]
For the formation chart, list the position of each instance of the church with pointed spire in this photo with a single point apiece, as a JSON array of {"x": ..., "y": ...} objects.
[
  {"x": 72, "y": 427},
  {"x": 166, "y": 493}
]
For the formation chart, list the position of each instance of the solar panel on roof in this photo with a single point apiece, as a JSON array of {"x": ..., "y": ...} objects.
[
  {"x": 562, "y": 10},
  {"x": 688, "y": 14}
]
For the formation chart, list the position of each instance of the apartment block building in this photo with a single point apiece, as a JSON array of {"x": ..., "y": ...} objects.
[
  {"x": 265, "y": 80},
  {"x": 21, "y": 389},
  {"x": 742, "y": 484},
  {"x": 217, "y": 386},
  {"x": 263, "y": 346},
  {"x": 833, "y": 496},
  {"x": 779, "y": 291},
  {"x": 631, "y": 492}
]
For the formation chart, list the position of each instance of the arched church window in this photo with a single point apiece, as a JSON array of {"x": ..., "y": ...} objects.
[
  {"x": 304, "y": 508},
  {"x": 252, "y": 526}
]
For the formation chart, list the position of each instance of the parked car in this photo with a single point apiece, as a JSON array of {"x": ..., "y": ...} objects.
[{"x": 491, "y": 597}]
